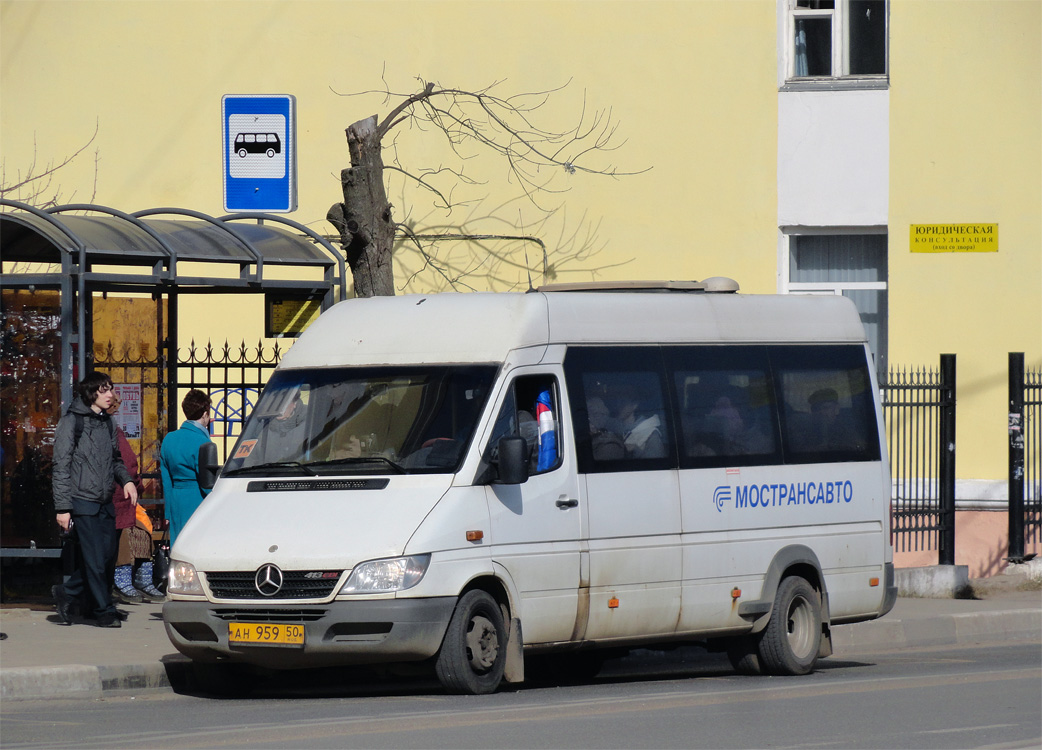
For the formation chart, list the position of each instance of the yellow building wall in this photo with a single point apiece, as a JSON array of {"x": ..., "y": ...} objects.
[
  {"x": 966, "y": 147},
  {"x": 691, "y": 85}
]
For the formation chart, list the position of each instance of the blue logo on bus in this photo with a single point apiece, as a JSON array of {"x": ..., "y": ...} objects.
[{"x": 721, "y": 495}]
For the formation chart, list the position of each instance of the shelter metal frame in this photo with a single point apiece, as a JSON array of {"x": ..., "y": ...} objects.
[
  {"x": 87, "y": 248},
  {"x": 116, "y": 238}
]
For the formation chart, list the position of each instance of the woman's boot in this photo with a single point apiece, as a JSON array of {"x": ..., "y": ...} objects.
[
  {"x": 143, "y": 580},
  {"x": 125, "y": 591}
]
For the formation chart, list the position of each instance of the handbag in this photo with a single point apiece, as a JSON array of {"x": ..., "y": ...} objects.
[{"x": 161, "y": 562}]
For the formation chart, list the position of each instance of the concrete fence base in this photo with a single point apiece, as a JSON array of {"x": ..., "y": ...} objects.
[{"x": 934, "y": 582}]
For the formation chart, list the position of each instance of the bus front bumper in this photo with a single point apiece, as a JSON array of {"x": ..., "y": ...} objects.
[{"x": 335, "y": 633}]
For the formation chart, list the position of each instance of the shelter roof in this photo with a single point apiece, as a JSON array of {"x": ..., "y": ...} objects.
[{"x": 123, "y": 239}]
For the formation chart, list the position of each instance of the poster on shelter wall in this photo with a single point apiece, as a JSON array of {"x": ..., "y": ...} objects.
[{"x": 129, "y": 415}]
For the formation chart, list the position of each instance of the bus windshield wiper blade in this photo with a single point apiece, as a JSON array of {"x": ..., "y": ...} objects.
[
  {"x": 360, "y": 460},
  {"x": 304, "y": 468}
]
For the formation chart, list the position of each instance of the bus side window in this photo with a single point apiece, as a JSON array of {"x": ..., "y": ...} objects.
[
  {"x": 827, "y": 405},
  {"x": 530, "y": 410},
  {"x": 725, "y": 406},
  {"x": 620, "y": 409}
]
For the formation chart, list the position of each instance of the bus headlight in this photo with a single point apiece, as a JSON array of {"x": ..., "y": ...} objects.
[
  {"x": 383, "y": 576},
  {"x": 184, "y": 579}
]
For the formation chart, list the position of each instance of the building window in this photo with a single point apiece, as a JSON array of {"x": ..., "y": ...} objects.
[
  {"x": 829, "y": 39},
  {"x": 853, "y": 265}
]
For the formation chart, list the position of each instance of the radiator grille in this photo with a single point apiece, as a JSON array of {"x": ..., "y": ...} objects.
[{"x": 296, "y": 584}]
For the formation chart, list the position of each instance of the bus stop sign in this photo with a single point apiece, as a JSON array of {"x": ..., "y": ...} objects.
[{"x": 260, "y": 153}]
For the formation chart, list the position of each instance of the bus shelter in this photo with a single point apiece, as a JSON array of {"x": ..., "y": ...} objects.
[{"x": 76, "y": 277}]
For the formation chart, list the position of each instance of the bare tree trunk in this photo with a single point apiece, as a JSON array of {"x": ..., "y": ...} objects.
[{"x": 364, "y": 218}]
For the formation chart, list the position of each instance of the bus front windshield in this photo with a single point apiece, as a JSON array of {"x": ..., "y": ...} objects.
[{"x": 327, "y": 421}]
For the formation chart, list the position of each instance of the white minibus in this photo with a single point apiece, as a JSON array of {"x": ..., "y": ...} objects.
[{"x": 467, "y": 482}]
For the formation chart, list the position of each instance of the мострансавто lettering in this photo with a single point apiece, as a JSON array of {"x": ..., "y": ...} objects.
[{"x": 794, "y": 493}]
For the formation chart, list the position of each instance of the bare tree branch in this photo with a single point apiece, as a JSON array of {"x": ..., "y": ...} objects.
[
  {"x": 470, "y": 122},
  {"x": 34, "y": 187}
]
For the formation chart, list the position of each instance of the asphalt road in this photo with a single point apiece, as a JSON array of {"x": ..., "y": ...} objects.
[{"x": 943, "y": 697}]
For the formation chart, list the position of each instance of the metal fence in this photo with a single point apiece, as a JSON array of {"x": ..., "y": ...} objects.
[
  {"x": 919, "y": 414},
  {"x": 144, "y": 371},
  {"x": 234, "y": 378},
  {"x": 1025, "y": 456}
]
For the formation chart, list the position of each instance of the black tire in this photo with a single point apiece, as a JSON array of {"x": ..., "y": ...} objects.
[
  {"x": 791, "y": 640},
  {"x": 473, "y": 654},
  {"x": 242, "y": 153},
  {"x": 744, "y": 655},
  {"x": 271, "y": 153}
]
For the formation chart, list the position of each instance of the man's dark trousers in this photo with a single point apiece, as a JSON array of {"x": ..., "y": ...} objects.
[{"x": 95, "y": 528}]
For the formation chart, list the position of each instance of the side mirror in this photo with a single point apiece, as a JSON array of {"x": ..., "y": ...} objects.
[
  {"x": 208, "y": 466},
  {"x": 513, "y": 460}
]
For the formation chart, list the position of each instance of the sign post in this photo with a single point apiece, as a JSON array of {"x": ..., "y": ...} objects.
[{"x": 260, "y": 153}]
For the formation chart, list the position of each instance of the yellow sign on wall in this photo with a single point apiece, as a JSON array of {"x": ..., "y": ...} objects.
[
  {"x": 289, "y": 316},
  {"x": 955, "y": 238}
]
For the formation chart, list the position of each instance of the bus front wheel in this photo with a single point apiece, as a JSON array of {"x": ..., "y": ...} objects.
[{"x": 473, "y": 654}]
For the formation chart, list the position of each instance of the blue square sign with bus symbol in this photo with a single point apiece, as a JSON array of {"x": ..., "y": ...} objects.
[{"x": 260, "y": 153}]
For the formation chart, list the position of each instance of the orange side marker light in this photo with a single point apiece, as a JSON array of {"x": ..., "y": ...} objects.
[
  {"x": 613, "y": 603},
  {"x": 873, "y": 581},
  {"x": 475, "y": 536}
]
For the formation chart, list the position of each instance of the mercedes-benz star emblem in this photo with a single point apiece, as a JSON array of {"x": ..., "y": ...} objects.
[{"x": 268, "y": 580}]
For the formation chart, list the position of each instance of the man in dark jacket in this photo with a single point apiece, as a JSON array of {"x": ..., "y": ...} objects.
[{"x": 86, "y": 461}]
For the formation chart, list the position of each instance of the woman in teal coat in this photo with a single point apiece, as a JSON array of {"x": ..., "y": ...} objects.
[{"x": 179, "y": 462}]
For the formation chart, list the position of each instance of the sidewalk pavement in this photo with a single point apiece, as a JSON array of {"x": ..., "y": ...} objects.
[{"x": 41, "y": 659}]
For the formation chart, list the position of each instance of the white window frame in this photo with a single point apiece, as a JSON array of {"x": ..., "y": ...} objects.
[
  {"x": 840, "y": 47},
  {"x": 787, "y": 286}
]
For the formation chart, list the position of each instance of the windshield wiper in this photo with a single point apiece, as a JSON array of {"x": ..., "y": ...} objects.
[
  {"x": 304, "y": 468},
  {"x": 361, "y": 460}
]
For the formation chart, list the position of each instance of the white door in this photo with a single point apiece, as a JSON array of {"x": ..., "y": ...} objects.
[{"x": 535, "y": 526}]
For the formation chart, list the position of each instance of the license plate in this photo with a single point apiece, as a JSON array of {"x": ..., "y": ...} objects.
[{"x": 265, "y": 634}]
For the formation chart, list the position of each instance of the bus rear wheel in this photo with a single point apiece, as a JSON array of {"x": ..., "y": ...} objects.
[{"x": 791, "y": 640}]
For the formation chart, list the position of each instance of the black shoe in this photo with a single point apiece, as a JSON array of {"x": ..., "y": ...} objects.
[
  {"x": 109, "y": 621},
  {"x": 62, "y": 604}
]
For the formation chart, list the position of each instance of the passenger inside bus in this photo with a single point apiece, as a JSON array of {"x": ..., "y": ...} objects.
[
  {"x": 727, "y": 426},
  {"x": 641, "y": 430},
  {"x": 828, "y": 426}
]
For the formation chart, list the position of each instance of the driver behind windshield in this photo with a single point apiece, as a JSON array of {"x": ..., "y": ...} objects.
[{"x": 286, "y": 433}]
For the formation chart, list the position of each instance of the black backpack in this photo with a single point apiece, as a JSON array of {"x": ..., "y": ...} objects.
[{"x": 77, "y": 429}]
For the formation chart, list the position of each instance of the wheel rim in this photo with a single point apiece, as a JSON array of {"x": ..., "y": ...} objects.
[
  {"x": 800, "y": 627},
  {"x": 482, "y": 644}
]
